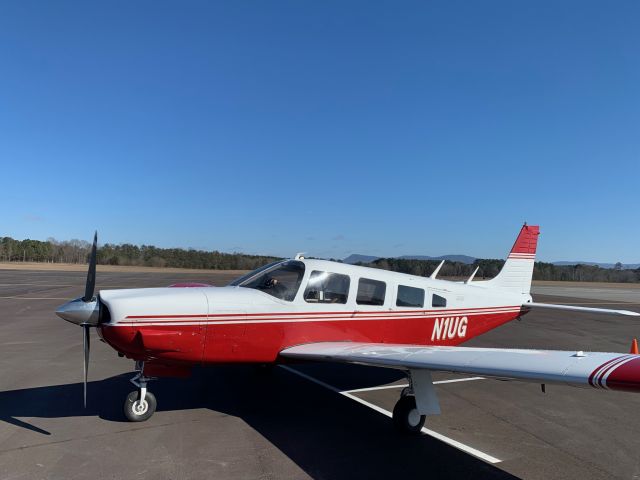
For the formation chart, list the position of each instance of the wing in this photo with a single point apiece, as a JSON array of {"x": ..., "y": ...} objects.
[
  {"x": 571, "y": 308},
  {"x": 613, "y": 371}
]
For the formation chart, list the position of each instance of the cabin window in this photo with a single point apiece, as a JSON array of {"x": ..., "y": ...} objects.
[
  {"x": 326, "y": 287},
  {"x": 410, "y": 297},
  {"x": 438, "y": 301},
  {"x": 281, "y": 280},
  {"x": 371, "y": 292}
]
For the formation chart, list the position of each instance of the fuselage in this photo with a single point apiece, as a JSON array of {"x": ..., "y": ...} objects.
[{"x": 332, "y": 301}]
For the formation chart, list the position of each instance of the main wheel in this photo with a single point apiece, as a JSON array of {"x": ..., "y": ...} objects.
[
  {"x": 137, "y": 411},
  {"x": 406, "y": 418}
]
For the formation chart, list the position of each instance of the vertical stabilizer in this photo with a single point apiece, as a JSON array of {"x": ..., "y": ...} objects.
[{"x": 517, "y": 271}]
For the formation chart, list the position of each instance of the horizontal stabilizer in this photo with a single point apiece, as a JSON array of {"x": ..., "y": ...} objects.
[{"x": 572, "y": 308}]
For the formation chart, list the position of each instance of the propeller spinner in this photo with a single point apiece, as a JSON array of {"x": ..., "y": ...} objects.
[{"x": 85, "y": 311}]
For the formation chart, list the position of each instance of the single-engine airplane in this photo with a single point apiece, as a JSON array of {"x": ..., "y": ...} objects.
[{"x": 305, "y": 309}]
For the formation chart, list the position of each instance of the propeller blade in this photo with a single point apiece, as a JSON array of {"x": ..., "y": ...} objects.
[
  {"x": 91, "y": 274},
  {"x": 86, "y": 346}
]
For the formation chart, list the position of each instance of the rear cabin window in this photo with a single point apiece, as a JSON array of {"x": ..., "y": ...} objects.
[
  {"x": 410, "y": 297},
  {"x": 371, "y": 292},
  {"x": 438, "y": 301},
  {"x": 326, "y": 287}
]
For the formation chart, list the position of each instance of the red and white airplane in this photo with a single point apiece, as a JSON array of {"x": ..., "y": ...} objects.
[{"x": 320, "y": 310}]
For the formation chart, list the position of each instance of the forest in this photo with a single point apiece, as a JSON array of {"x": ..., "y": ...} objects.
[
  {"x": 489, "y": 268},
  {"x": 77, "y": 251}
]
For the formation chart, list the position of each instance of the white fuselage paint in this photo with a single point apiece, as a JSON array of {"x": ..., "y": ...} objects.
[{"x": 207, "y": 304}]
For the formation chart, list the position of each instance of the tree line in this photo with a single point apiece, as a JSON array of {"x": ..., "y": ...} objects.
[
  {"x": 489, "y": 268},
  {"x": 77, "y": 251}
]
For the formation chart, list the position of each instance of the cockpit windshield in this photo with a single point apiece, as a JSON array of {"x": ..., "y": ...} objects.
[
  {"x": 253, "y": 273},
  {"x": 280, "y": 279}
]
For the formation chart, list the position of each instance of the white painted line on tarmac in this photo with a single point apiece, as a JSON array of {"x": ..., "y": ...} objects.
[
  {"x": 34, "y": 298},
  {"x": 438, "y": 436},
  {"x": 310, "y": 378},
  {"x": 456, "y": 380},
  {"x": 371, "y": 389},
  {"x": 403, "y": 385}
]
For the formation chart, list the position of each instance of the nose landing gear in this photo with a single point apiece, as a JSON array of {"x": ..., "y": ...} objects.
[{"x": 141, "y": 403}]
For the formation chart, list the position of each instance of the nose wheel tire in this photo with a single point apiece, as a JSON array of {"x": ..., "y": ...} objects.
[
  {"x": 137, "y": 411},
  {"x": 406, "y": 418}
]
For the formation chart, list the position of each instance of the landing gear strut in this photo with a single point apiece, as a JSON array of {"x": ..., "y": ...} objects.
[{"x": 141, "y": 403}]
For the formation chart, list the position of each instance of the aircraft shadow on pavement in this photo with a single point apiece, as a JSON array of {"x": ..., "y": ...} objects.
[{"x": 326, "y": 434}]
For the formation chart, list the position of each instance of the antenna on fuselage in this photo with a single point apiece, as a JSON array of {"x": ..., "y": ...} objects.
[
  {"x": 299, "y": 256},
  {"x": 435, "y": 272},
  {"x": 473, "y": 274}
]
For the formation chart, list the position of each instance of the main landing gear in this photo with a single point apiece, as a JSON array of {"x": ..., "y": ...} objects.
[
  {"x": 406, "y": 418},
  {"x": 141, "y": 403},
  {"x": 417, "y": 401}
]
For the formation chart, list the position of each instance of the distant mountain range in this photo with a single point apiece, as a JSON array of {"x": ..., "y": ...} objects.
[{"x": 358, "y": 258}]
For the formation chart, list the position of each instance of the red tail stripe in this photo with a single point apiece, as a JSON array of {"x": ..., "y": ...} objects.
[{"x": 527, "y": 241}]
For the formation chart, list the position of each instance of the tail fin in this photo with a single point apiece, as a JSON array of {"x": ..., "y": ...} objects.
[{"x": 517, "y": 271}]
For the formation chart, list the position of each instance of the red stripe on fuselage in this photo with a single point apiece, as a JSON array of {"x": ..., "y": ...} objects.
[
  {"x": 263, "y": 341},
  {"x": 297, "y": 320},
  {"x": 451, "y": 311}
]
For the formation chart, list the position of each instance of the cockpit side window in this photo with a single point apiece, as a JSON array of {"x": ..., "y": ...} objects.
[
  {"x": 371, "y": 292},
  {"x": 410, "y": 297},
  {"x": 326, "y": 287},
  {"x": 281, "y": 280},
  {"x": 438, "y": 301}
]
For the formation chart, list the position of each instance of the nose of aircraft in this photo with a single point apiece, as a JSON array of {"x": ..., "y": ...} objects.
[{"x": 80, "y": 312}]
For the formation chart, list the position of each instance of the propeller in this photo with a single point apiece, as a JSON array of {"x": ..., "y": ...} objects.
[
  {"x": 91, "y": 274},
  {"x": 86, "y": 347},
  {"x": 85, "y": 311},
  {"x": 89, "y": 288}
]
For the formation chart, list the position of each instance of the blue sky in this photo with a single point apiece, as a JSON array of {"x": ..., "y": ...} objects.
[{"x": 381, "y": 128}]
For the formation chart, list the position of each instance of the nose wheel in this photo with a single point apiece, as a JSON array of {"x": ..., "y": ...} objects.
[
  {"x": 141, "y": 403},
  {"x": 139, "y": 410}
]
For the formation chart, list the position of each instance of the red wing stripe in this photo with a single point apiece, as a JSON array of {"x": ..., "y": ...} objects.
[
  {"x": 596, "y": 376},
  {"x": 611, "y": 369},
  {"x": 592, "y": 379},
  {"x": 626, "y": 376}
]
